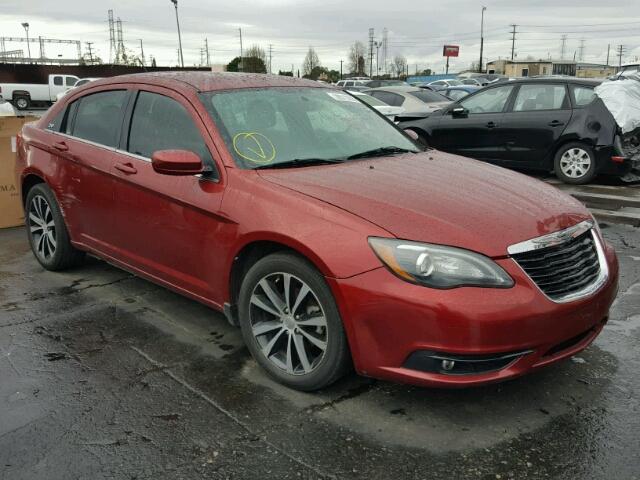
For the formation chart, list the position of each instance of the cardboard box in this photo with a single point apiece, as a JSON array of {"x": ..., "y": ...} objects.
[{"x": 11, "y": 214}]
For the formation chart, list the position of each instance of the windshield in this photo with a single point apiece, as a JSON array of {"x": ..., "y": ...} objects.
[
  {"x": 454, "y": 82},
  {"x": 265, "y": 127},
  {"x": 428, "y": 96}
]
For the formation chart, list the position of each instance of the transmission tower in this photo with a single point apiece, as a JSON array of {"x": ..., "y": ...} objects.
[
  {"x": 371, "y": 46},
  {"x": 563, "y": 47},
  {"x": 581, "y": 51},
  {"x": 385, "y": 46},
  {"x": 120, "y": 52},
  {"x": 112, "y": 37}
]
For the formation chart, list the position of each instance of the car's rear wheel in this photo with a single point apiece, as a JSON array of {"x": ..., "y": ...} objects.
[
  {"x": 48, "y": 235},
  {"x": 291, "y": 324},
  {"x": 22, "y": 102},
  {"x": 575, "y": 163}
]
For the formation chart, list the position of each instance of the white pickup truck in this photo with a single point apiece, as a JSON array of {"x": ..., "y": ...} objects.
[{"x": 25, "y": 95}]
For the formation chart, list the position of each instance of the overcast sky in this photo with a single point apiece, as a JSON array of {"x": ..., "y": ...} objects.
[{"x": 417, "y": 29}]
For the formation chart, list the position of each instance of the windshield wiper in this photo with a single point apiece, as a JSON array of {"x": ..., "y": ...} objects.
[
  {"x": 381, "y": 152},
  {"x": 300, "y": 162}
]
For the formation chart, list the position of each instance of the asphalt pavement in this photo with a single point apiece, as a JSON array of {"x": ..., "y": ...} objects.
[{"x": 107, "y": 376}]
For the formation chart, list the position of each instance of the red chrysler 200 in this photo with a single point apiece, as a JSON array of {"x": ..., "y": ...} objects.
[{"x": 328, "y": 235}]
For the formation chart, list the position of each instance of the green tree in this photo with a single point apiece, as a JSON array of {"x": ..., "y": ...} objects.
[{"x": 249, "y": 64}]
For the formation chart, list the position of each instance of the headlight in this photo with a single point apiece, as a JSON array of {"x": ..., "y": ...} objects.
[{"x": 438, "y": 266}]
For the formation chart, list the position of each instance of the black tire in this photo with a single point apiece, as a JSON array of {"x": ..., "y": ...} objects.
[
  {"x": 22, "y": 102},
  {"x": 576, "y": 173},
  {"x": 49, "y": 239},
  {"x": 335, "y": 360}
]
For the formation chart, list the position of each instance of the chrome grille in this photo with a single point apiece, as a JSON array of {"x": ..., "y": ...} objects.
[{"x": 567, "y": 269}]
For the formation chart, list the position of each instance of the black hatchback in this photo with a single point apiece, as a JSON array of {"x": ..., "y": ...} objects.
[{"x": 552, "y": 124}]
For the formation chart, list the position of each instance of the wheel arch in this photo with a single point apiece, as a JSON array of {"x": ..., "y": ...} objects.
[
  {"x": 257, "y": 247},
  {"x": 20, "y": 93},
  {"x": 29, "y": 181}
]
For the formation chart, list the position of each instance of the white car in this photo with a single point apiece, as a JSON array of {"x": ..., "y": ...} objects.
[
  {"x": 446, "y": 83},
  {"x": 386, "y": 110},
  {"x": 79, "y": 83},
  {"x": 413, "y": 100}
]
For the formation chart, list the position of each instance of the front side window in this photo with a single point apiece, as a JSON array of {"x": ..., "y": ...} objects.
[
  {"x": 583, "y": 95},
  {"x": 540, "y": 97},
  {"x": 162, "y": 123},
  {"x": 488, "y": 101},
  {"x": 389, "y": 98},
  {"x": 71, "y": 81},
  {"x": 265, "y": 127},
  {"x": 99, "y": 117}
]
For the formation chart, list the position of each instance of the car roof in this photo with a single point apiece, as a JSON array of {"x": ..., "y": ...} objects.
[
  {"x": 572, "y": 80},
  {"x": 209, "y": 81},
  {"x": 397, "y": 89}
]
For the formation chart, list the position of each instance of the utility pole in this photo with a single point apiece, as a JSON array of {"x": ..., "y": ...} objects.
[
  {"x": 608, "y": 52},
  {"x": 341, "y": 69},
  {"x": 175, "y": 4},
  {"x": 513, "y": 41},
  {"x": 481, "y": 39},
  {"x": 90, "y": 52},
  {"x": 25, "y": 25},
  {"x": 240, "y": 65},
  {"x": 620, "y": 53},
  {"x": 270, "y": 56},
  {"x": 385, "y": 47},
  {"x": 142, "y": 53},
  {"x": 378, "y": 45},
  {"x": 563, "y": 47}
]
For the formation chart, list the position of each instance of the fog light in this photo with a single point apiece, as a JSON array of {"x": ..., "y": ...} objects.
[{"x": 448, "y": 365}]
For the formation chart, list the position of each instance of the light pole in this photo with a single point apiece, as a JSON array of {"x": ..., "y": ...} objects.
[
  {"x": 481, "y": 39},
  {"x": 25, "y": 25},
  {"x": 378, "y": 45},
  {"x": 175, "y": 4}
]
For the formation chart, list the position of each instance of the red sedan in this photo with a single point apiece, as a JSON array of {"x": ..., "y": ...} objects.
[{"x": 328, "y": 235}]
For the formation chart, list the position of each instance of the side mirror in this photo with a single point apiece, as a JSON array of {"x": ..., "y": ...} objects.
[
  {"x": 459, "y": 112},
  {"x": 176, "y": 162}
]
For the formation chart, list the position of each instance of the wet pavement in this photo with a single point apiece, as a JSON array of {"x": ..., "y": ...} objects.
[{"x": 107, "y": 376}]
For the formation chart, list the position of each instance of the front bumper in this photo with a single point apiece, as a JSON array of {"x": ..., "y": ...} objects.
[{"x": 388, "y": 320}]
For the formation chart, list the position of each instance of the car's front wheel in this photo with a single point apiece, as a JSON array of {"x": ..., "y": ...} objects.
[
  {"x": 575, "y": 163},
  {"x": 291, "y": 324},
  {"x": 48, "y": 235}
]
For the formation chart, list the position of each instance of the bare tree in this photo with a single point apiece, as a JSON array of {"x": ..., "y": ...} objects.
[
  {"x": 399, "y": 65},
  {"x": 356, "y": 60},
  {"x": 257, "y": 52},
  {"x": 311, "y": 61},
  {"x": 255, "y": 60}
]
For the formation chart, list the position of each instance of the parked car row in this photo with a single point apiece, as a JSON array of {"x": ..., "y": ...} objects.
[
  {"x": 548, "y": 124},
  {"x": 331, "y": 237}
]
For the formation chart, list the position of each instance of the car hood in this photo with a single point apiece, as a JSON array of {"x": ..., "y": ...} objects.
[{"x": 439, "y": 198}]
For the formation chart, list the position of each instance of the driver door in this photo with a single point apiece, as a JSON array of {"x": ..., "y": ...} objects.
[{"x": 479, "y": 132}]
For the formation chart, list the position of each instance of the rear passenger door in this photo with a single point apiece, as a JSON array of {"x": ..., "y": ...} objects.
[
  {"x": 168, "y": 225},
  {"x": 85, "y": 147},
  {"x": 535, "y": 122}
]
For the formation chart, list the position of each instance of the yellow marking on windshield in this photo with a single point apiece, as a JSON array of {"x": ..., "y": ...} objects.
[{"x": 254, "y": 147}]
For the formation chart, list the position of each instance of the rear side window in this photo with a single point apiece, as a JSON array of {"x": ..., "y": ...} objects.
[
  {"x": 57, "y": 81},
  {"x": 99, "y": 117},
  {"x": 540, "y": 97},
  {"x": 583, "y": 95},
  {"x": 428, "y": 96},
  {"x": 389, "y": 98},
  {"x": 161, "y": 123}
]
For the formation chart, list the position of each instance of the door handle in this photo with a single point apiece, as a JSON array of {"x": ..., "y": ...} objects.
[
  {"x": 492, "y": 125},
  {"x": 127, "y": 168},
  {"x": 555, "y": 123},
  {"x": 61, "y": 146}
]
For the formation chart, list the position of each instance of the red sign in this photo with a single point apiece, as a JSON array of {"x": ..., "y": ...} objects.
[{"x": 450, "y": 51}]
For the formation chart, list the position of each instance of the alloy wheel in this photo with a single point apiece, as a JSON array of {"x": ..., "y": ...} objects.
[
  {"x": 575, "y": 163},
  {"x": 42, "y": 227},
  {"x": 288, "y": 323},
  {"x": 22, "y": 103}
]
